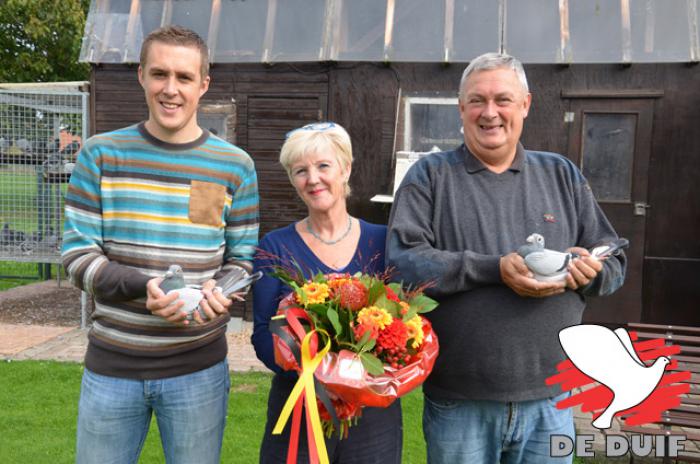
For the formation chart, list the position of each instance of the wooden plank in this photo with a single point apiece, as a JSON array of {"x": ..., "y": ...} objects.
[
  {"x": 130, "y": 42},
  {"x": 694, "y": 31},
  {"x": 213, "y": 34},
  {"x": 277, "y": 88},
  {"x": 671, "y": 328},
  {"x": 626, "y": 31},
  {"x": 448, "y": 37},
  {"x": 269, "y": 30},
  {"x": 389, "y": 28},
  {"x": 565, "y": 54},
  {"x": 167, "y": 15}
]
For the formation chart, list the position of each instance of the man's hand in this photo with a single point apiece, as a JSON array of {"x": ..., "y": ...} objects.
[
  {"x": 164, "y": 305},
  {"x": 518, "y": 277},
  {"x": 214, "y": 303},
  {"x": 582, "y": 270}
]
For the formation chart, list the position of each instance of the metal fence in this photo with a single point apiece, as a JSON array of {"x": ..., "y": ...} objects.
[{"x": 42, "y": 127}]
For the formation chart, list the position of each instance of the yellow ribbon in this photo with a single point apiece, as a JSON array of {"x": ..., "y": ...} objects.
[{"x": 305, "y": 385}]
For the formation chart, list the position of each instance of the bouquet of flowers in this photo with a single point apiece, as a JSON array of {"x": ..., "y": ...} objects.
[{"x": 355, "y": 341}]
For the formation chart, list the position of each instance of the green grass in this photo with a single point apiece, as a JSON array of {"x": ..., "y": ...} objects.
[
  {"x": 39, "y": 402},
  {"x": 16, "y": 274},
  {"x": 39, "y": 406}
]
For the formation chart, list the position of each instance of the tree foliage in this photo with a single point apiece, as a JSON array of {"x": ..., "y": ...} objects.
[{"x": 40, "y": 40}]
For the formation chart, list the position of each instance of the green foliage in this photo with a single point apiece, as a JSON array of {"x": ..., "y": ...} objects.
[
  {"x": 373, "y": 365},
  {"x": 423, "y": 303},
  {"x": 40, "y": 40}
]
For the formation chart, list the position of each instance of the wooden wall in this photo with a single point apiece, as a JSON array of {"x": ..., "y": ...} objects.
[{"x": 362, "y": 97}]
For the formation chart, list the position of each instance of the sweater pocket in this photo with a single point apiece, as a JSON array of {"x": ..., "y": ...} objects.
[{"x": 207, "y": 203}]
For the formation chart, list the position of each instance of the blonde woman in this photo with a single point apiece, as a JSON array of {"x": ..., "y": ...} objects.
[{"x": 318, "y": 160}]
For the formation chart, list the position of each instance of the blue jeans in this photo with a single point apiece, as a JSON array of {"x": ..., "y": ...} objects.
[
  {"x": 489, "y": 432},
  {"x": 114, "y": 415}
]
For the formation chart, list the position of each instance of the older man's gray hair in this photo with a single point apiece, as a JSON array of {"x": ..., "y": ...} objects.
[{"x": 489, "y": 61}]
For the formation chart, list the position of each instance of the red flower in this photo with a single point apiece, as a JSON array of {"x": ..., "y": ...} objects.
[
  {"x": 393, "y": 337},
  {"x": 343, "y": 410},
  {"x": 360, "y": 330},
  {"x": 352, "y": 295},
  {"x": 390, "y": 295}
]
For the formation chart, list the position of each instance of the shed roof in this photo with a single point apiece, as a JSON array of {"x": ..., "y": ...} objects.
[{"x": 535, "y": 31}]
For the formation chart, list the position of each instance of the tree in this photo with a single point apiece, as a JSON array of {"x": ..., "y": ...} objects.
[{"x": 40, "y": 40}]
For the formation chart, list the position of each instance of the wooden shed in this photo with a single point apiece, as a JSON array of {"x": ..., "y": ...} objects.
[{"x": 615, "y": 86}]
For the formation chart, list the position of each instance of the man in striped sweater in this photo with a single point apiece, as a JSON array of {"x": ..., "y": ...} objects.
[{"x": 141, "y": 198}]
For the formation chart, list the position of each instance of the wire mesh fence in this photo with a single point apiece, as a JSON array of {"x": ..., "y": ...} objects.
[{"x": 42, "y": 127}]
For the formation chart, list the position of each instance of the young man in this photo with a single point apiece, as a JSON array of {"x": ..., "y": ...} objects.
[
  {"x": 141, "y": 198},
  {"x": 456, "y": 220}
]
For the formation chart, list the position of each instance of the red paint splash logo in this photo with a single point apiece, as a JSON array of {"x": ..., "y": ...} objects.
[{"x": 596, "y": 398}]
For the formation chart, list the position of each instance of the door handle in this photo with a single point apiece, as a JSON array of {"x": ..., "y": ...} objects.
[{"x": 640, "y": 208}]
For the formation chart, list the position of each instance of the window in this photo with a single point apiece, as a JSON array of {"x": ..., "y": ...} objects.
[
  {"x": 431, "y": 123},
  {"x": 608, "y": 154},
  {"x": 219, "y": 119}
]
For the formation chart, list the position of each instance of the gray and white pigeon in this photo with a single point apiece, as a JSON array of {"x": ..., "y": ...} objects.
[
  {"x": 235, "y": 280},
  {"x": 174, "y": 280},
  {"x": 546, "y": 265}
]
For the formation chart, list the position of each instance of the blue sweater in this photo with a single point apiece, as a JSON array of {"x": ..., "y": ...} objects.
[
  {"x": 135, "y": 205},
  {"x": 285, "y": 245}
]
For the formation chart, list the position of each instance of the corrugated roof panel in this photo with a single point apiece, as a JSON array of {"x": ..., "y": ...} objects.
[{"x": 536, "y": 31}]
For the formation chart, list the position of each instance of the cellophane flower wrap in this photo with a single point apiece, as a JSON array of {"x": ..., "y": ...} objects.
[{"x": 381, "y": 347}]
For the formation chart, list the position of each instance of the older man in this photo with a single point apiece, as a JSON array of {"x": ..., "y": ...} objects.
[{"x": 457, "y": 219}]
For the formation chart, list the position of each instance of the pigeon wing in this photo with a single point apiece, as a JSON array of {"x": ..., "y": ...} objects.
[
  {"x": 547, "y": 262},
  {"x": 627, "y": 343},
  {"x": 598, "y": 352}
]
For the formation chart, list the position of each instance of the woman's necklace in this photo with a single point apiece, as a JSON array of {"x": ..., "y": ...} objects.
[{"x": 329, "y": 242}]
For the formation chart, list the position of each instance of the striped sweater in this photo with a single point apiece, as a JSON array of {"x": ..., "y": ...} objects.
[{"x": 136, "y": 205}]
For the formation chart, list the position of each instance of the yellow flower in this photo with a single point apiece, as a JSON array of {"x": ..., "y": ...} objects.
[
  {"x": 415, "y": 331},
  {"x": 375, "y": 316},
  {"x": 315, "y": 293}
]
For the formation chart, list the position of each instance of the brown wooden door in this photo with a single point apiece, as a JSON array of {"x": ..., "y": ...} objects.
[{"x": 610, "y": 141}]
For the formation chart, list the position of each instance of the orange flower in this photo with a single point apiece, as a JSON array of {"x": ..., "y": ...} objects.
[
  {"x": 374, "y": 315},
  {"x": 404, "y": 307},
  {"x": 415, "y": 331},
  {"x": 333, "y": 284},
  {"x": 314, "y": 292}
]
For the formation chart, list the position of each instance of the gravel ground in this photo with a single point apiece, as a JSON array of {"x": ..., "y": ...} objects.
[{"x": 41, "y": 303}]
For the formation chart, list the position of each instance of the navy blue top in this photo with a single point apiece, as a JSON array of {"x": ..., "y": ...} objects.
[{"x": 286, "y": 245}]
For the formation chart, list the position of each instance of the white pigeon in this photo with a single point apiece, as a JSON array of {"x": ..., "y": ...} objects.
[
  {"x": 608, "y": 357},
  {"x": 174, "y": 281},
  {"x": 235, "y": 280},
  {"x": 546, "y": 265}
]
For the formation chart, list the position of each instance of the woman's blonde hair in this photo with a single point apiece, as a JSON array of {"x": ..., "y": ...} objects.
[{"x": 315, "y": 138}]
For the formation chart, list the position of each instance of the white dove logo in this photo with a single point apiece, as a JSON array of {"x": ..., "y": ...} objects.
[{"x": 608, "y": 357}]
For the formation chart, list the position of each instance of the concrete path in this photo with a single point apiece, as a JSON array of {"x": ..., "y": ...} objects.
[{"x": 68, "y": 344}]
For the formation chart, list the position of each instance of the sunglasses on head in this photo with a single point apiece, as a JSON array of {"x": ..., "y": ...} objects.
[{"x": 314, "y": 126}]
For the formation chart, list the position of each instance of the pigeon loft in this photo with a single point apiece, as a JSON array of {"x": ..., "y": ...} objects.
[{"x": 683, "y": 419}]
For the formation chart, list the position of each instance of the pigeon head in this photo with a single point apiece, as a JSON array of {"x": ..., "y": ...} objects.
[
  {"x": 536, "y": 239},
  {"x": 535, "y": 242},
  {"x": 173, "y": 279},
  {"x": 174, "y": 271}
]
